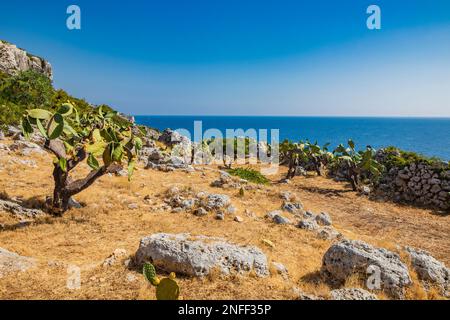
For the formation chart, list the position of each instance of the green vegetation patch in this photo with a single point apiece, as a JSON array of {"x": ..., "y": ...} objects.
[
  {"x": 250, "y": 175},
  {"x": 29, "y": 90},
  {"x": 400, "y": 159}
]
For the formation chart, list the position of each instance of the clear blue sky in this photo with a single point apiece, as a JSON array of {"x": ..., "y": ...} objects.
[{"x": 244, "y": 57}]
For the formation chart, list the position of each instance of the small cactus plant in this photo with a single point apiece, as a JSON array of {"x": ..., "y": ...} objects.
[{"x": 167, "y": 288}]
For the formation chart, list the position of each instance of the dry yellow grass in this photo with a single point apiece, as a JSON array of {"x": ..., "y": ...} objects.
[{"x": 85, "y": 237}]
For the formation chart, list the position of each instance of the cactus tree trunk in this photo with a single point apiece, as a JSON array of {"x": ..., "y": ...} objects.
[
  {"x": 65, "y": 188},
  {"x": 60, "y": 196}
]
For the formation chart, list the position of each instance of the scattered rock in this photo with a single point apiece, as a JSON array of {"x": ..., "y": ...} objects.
[
  {"x": 4, "y": 147},
  {"x": 300, "y": 171},
  {"x": 365, "y": 190},
  {"x": 238, "y": 219},
  {"x": 231, "y": 209},
  {"x": 13, "y": 131},
  {"x": 323, "y": 219},
  {"x": 429, "y": 269},
  {"x": 272, "y": 214},
  {"x": 294, "y": 208},
  {"x": 249, "y": 213},
  {"x": 199, "y": 255},
  {"x": 279, "y": 219},
  {"x": 288, "y": 196},
  {"x": 133, "y": 206},
  {"x": 131, "y": 277},
  {"x": 188, "y": 204},
  {"x": 328, "y": 233},
  {"x": 24, "y": 162},
  {"x": 177, "y": 210},
  {"x": 280, "y": 269},
  {"x": 352, "y": 294},
  {"x": 216, "y": 201},
  {"x": 115, "y": 257},
  {"x": 74, "y": 204},
  {"x": 121, "y": 173},
  {"x": 308, "y": 215},
  {"x": 26, "y": 148},
  {"x": 56, "y": 264},
  {"x": 18, "y": 210},
  {"x": 220, "y": 215},
  {"x": 354, "y": 257},
  {"x": 172, "y": 191},
  {"x": 200, "y": 212},
  {"x": 11, "y": 262},
  {"x": 300, "y": 295},
  {"x": 308, "y": 224}
]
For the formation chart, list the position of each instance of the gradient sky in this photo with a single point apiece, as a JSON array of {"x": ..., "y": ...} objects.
[{"x": 244, "y": 57}]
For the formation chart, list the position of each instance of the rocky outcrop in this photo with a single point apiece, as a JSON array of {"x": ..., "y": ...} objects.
[
  {"x": 200, "y": 255},
  {"x": 348, "y": 257},
  {"x": 323, "y": 219},
  {"x": 11, "y": 263},
  {"x": 115, "y": 257},
  {"x": 198, "y": 203},
  {"x": 429, "y": 269},
  {"x": 277, "y": 217},
  {"x": 18, "y": 210},
  {"x": 14, "y": 60},
  {"x": 26, "y": 148},
  {"x": 352, "y": 294}
]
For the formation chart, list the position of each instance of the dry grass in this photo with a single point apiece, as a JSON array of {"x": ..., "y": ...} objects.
[{"x": 85, "y": 237}]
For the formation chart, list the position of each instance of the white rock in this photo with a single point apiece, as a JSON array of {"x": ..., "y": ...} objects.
[
  {"x": 323, "y": 219},
  {"x": 349, "y": 257},
  {"x": 199, "y": 255},
  {"x": 200, "y": 212},
  {"x": 429, "y": 269},
  {"x": 328, "y": 233},
  {"x": 352, "y": 294},
  {"x": 308, "y": 224},
  {"x": 19, "y": 211},
  {"x": 115, "y": 257},
  {"x": 216, "y": 201}
]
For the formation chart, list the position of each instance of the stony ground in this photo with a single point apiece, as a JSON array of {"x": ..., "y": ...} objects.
[{"x": 119, "y": 213}]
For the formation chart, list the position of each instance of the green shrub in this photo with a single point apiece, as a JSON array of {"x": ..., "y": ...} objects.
[
  {"x": 28, "y": 88},
  {"x": 250, "y": 175},
  {"x": 400, "y": 159}
]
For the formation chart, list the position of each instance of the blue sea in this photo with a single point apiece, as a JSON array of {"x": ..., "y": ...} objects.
[{"x": 427, "y": 136}]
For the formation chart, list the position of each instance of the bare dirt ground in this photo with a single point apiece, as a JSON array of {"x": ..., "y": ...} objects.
[{"x": 86, "y": 237}]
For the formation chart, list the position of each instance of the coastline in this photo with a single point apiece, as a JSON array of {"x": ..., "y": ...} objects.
[{"x": 411, "y": 134}]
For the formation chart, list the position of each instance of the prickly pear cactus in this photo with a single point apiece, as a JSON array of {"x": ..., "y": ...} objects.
[
  {"x": 167, "y": 289},
  {"x": 150, "y": 274}
]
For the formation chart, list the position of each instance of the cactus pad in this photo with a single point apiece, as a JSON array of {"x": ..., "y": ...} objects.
[
  {"x": 149, "y": 272},
  {"x": 167, "y": 290}
]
